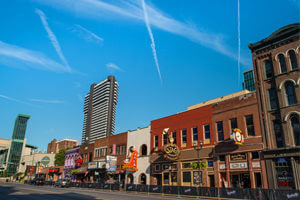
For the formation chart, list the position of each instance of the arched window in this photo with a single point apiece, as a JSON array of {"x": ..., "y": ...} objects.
[
  {"x": 130, "y": 179},
  {"x": 268, "y": 69},
  {"x": 143, "y": 179},
  {"x": 293, "y": 59},
  {"x": 290, "y": 96},
  {"x": 296, "y": 128},
  {"x": 282, "y": 63},
  {"x": 143, "y": 150}
]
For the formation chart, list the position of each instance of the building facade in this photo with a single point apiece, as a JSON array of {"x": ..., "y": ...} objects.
[
  {"x": 17, "y": 144},
  {"x": 238, "y": 165},
  {"x": 55, "y": 145},
  {"x": 276, "y": 67},
  {"x": 100, "y": 110},
  {"x": 172, "y": 159},
  {"x": 249, "y": 81},
  {"x": 140, "y": 140},
  {"x": 71, "y": 157}
]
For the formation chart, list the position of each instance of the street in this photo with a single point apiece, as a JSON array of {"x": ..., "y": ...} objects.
[{"x": 13, "y": 191}]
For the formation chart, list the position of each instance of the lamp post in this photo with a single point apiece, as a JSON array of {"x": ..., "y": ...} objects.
[{"x": 198, "y": 151}]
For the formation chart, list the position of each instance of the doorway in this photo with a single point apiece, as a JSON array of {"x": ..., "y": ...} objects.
[{"x": 241, "y": 180}]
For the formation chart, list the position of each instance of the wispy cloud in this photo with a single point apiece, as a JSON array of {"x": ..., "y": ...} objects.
[
  {"x": 52, "y": 38},
  {"x": 113, "y": 67},
  {"x": 33, "y": 59},
  {"x": 87, "y": 34},
  {"x": 47, "y": 101},
  {"x": 15, "y": 100},
  {"x": 151, "y": 37},
  {"x": 131, "y": 9}
]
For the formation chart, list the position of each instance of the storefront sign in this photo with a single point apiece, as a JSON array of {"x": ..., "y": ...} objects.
[
  {"x": 222, "y": 166},
  {"x": 238, "y": 165},
  {"x": 238, "y": 157},
  {"x": 31, "y": 170},
  {"x": 45, "y": 160},
  {"x": 171, "y": 151},
  {"x": 237, "y": 136},
  {"x": 111, "y": 162},
  {"x": 130, "y": 164},
  {"x": 92, "y": 165},
  {"x": 78, "y": 162},
  {"x": 256, "y": 164},
  {"x": 54, "y": 170}
]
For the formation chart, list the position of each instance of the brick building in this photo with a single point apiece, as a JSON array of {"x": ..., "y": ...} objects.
[
  {"x": 55, "y": 145},
  {"x": 276, "y": 68}
]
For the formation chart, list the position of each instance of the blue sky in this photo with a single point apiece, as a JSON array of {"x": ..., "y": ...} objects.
[{"x": 165, "y": 55}]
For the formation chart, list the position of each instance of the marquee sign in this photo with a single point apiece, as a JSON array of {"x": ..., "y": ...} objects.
[{"x": 237, "y": 136}]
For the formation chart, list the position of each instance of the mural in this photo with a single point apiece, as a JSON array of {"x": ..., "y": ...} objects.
[{"x": 130, "y": 164}]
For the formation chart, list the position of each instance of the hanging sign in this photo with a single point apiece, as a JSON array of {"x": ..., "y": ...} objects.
[
  {"x": 78, "y": 162},
  {"x": 237, "y": 136}
]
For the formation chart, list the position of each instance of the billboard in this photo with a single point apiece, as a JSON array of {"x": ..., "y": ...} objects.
[{"x": 111, "y": 162}]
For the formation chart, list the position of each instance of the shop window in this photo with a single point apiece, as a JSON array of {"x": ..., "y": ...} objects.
[
  {"x": 273, "y": 102},
  {"x": 197, "y": 177},
  {"x": 278, "y": 133},
  {"x": 174, "y": 166},
  {"x": 296, "y": 129},
  {"x": 144, "y": 150},
  {"x": 211, "y": 180},
  {"x": 206, "y": 132},
  {"x": 284, "y": 172},
  {"x": 210, "y": 163},
  {"x": 174, "y": 137},
  {"x": 258, "y": 181},
  {"x": 254, "y": 155},
  {"x": 186, "y": 165},
  {"x": 233, "y": 123},
  {"x": 186, "y": 177},
  {"x": 155, "y": 141},
  {"x": 222, "y": 157},
  {"x": 165, "y": 138},
  {"x": 282, "y": 63},
  {"x": 183, "y": 136},
  {"x": 290, "y": 95},
  {"x": 143, "y": 179},
  {"x": 250, "y": 125},
  {"x": 268, "y": 68},
  {"x": 195, "y": 134},
  {"x": 166, "y": 179},
  {"x": 173, "y": 177},
  {"x": 220, "y": 131},
  {"x": 293, "y": 59}
]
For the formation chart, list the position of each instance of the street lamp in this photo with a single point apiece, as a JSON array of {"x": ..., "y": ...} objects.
[{"x": 198, "y": 150}]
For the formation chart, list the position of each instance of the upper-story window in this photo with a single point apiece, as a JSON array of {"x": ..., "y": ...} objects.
[
  {"x": 101, "y": 152},
  {"x": 183, "y": 136},
  {"x": 278, "y": 133},
  {"x": 123, "y": 150},
  {"x": 195, "y": 133},
  {"x": 206, "y": 132},
  {"x": 268, "y": 69},
  {"x": 155, "y": 140},
  {"x": 174, "y": 137},
  {"x": 250, "y": 125},
  {"x": 220, "y": 130},
  {"x": 165, "y": 138},
  {"x": 273, "y": 99},
  {"x": 295, "y": 124},
  {"x": 144, "y": 150},
  {"x": 233, "y": 123},
  {"x": 293, "y": 59},
  {"x": 282, "y": 63},
  {"x": 290, "y": 95}
]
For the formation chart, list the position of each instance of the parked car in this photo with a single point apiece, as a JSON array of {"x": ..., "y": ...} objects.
[
  {"x": 62, "y": 183},
  {"x": 37, "y": 181}
]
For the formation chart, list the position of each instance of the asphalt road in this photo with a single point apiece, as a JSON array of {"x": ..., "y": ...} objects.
[{"x": 13, "y": 191}]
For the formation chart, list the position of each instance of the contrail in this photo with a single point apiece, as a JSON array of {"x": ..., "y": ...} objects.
[
  {"x": 52, "y": 38},
  {"x": 152, "y": 39},
  {"x": 239, "y": 43}
]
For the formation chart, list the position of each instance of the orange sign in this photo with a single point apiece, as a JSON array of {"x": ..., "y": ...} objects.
[{"x": 131, "y": 165}]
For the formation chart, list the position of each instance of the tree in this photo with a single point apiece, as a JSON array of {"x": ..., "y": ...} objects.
[{"x": 60, "y": 157}]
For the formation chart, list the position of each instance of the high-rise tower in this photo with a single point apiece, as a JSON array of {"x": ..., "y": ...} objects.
[
  {"x": 100, "y": 110},
  {"x": 17, "y": 144}
]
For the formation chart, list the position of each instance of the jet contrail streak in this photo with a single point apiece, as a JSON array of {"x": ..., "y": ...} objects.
[{"x": 239, "y": 43}]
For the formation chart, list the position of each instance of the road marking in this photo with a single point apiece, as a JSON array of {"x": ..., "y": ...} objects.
[{"x": 44, "y": 191}]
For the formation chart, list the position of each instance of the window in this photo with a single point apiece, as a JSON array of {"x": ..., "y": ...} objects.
[
  {"x": 195, "y": 133},
  {"x": 186, "y": 177},
  {"x": 157, "y": 167},
  {"x": 155, "y": 141},
  {"x": 290, "y": 93},
  {"x": 206, "y": 132},
  {"x": 222, "y": 157},
  {"x": 118, "y": 150},
  {"x": 174, "y": 137},
  {"x": 123, "y": 150},
  {"x": 268, "y": 69},
  {"x": 293, "y": 59},
  {"x": 110, "y": 150},
  {"x": 254, "y": 155},
  {"x": 233, "y": 123},
  {"x": 258, "y": 182},
  {"x": 183, "y": 136},
  {"x": 282, "y": 63},
  {"x": 220, "y": 131},
  {"x": 273, "y": 99},
  {"x": 90, "y": 156},
  {"x": 278, "y": 134},
  {"x": 143, "y": 179},
  {"x": 166, "y": 179},
  {"x": 186, "y": 165},
  {"x": 144, "y": 150},
  {"x": 296, "y": 129},
  {"x": 174, "y": 177},
  {"x": 100, "y": 152},
  {"x": 165, "y": 138},
  {"x": 250, "y": 125}
]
